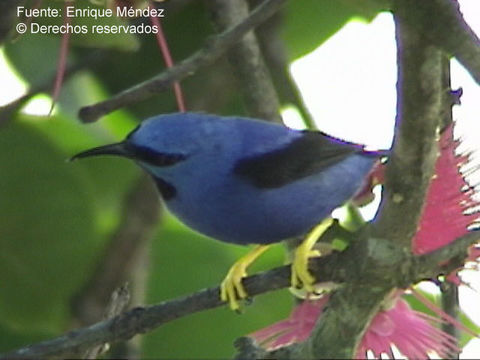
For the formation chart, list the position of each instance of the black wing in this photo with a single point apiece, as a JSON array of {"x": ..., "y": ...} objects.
[{"x": 307, "y": 155}]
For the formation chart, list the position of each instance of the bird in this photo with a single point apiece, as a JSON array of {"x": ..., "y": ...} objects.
[{"x": 246, "y": 181}]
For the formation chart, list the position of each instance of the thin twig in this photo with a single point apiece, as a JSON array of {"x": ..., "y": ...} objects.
[
  {"x": 449, "y": 290},
  {"x": 338, "y": 267},
  {"x": 214, "y": 48},
  {"x": 62, "y": 57},
  {"x": 118, "y": 302},
  {"x": 164, "y": 49},
  {"x": 450, "y": 305}
]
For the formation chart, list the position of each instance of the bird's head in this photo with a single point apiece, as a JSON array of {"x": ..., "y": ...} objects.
[{"x": 160, "y": 143}]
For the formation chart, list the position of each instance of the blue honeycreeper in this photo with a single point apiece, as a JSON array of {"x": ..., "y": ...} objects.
[{"x": 243, "y": 180}]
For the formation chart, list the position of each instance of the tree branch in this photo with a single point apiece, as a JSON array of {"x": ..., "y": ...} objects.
[
  {"x": 245, "y": 57},
  {"x": 419, "y": 108},
  {"x": 338, "y": 267},
  {"x": 443, "y": 24},
  {"x": 119, "y": 300},
  {"x": 216, "y": 46},
  {"x": 408, "y": 175}
]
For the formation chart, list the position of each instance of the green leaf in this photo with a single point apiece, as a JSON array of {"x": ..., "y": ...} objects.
[
  {"x": 106, "y": 179},
  {"x": 24, "y": 57},
  {"x": 309, "y": 23},
  {"x": 417, "y": 305},
  {"x": 464, "y": 336},
  {"x": 48, "y": 238}
]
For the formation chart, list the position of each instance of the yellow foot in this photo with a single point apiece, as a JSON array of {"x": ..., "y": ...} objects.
[
  {"x": 305, "y": 251},
  {"x": 232, "y": 288}
]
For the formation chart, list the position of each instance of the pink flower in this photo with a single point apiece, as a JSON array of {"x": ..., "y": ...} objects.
[
  {"x": 412, "y": 332},
  {"x": 450, "y": 205},
  {"x": 450, "y": 211},
  {"x": 296, "y": 328},
  {"x": 449, "y": 201}
]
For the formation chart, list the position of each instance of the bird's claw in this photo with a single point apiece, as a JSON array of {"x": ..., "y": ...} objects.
[
  {"x": 232, "y": 288},
  {"x": 301, "y": 277},
  {"x": 300, "y": 274}
]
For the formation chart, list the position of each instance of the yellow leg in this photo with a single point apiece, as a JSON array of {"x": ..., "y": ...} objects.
[
  {"x": 300, "y": 274},
  {"x": 232, "y": 288}
]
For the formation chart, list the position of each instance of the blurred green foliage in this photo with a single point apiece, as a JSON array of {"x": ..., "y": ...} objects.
[
  {"x": 208, "y": 334},
  {"x": 36, "y": 247},
  {"x": 309, "y": 23},
  {"x": 56, "y": 217}
]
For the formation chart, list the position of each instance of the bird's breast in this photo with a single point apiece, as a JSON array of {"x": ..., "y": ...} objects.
[{"x": 228, "y": 208}]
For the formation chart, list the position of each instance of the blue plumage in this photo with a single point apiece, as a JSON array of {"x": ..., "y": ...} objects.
[{"x": 243, "y": 180}]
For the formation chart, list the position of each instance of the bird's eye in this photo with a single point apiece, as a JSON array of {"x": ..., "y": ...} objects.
[
  {"x": 156, "y": 158},
  {"x": 168, "y": 159}
]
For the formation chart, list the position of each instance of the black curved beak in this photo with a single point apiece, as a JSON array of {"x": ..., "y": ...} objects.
[{"x": 117, "y": 149}]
